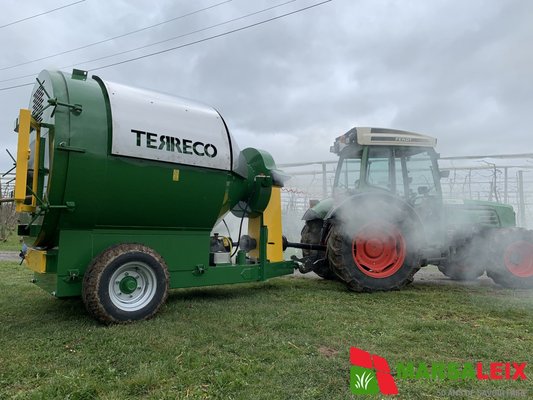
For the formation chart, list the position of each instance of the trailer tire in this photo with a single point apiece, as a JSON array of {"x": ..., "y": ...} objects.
[
  {"x": 311, "y": 233},
  {"x": 399, "y": 259},
  {"x": 511, "y": 261},
  {"x": 127, "y": 282}
]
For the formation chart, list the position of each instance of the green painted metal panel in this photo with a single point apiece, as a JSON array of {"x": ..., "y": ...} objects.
[
  {"x": 47, "y": 282},
  {"x": 467, "y": 213},
  {"x": 321, "y": 209},
  {"x": 182, "y": 251},
  {"x": 505, "y": 212},
  {"x": 278, "y": 269}
]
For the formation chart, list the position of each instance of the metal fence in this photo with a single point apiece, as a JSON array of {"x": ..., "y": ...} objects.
[
  {"x": 7, "y": 210},
  {"x": 502, "y": 178}
]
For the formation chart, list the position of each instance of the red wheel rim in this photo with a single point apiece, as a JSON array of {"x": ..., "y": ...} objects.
[
  {"x": 378, "y": 249},
  {"x": 518, "y": 259}
]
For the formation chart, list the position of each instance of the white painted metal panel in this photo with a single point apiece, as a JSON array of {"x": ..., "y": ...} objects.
[
  {"x": 156, "y": 126},
  {"x": 393, "y": 137}
]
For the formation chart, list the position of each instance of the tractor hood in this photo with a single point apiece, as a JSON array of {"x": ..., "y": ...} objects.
[{"x": 478, "y": 213}]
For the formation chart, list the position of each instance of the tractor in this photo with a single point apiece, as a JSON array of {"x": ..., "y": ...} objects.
[{"x": 386, "y": 219}]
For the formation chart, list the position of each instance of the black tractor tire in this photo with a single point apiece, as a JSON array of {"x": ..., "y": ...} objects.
[
  {"x": 342, "y": 250},
  {"x": 127, "y": 282},
  {"x": 311, "y": 234},
  {"x": 511, "y": 261},
  {"x": 466, "y": 262}
]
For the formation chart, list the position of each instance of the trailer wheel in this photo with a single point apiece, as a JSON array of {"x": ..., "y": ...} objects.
[
  {"x": 127, "y": 282},
  {"x": 311, "y": 233},
  {"x": 511, "y": 262},
  {"x": 378, "y": 256}
]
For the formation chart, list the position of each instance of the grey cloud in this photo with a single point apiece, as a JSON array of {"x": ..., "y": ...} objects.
[{"x": 460, "y": 71}]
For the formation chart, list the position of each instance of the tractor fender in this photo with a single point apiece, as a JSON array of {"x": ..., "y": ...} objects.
[
  {"x": 368, "y": 199},
  {"x": 319, "y": 210}
]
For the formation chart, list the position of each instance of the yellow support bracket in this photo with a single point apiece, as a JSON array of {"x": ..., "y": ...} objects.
[
  {"x": 272, "y": 220},
  {"x": 36, "y": 260},
  {"x": 26, "y": 124}
]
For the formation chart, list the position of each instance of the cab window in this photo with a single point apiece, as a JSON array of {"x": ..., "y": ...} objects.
[
  {"x": 420, "y": 173},
  {"x": 350, "y": 171},
  {"x": 378, "y": 172}
]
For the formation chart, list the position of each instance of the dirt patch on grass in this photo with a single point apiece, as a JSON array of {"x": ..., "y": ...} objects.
[{"x": 327, "y": 351}]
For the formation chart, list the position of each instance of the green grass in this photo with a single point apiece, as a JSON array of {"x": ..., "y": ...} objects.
[
  {"x": 287, "y": 338},
  {"x": 12, "y": 243}
]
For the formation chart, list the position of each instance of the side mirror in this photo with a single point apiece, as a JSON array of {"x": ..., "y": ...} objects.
[{"x": 444, "y": 173}]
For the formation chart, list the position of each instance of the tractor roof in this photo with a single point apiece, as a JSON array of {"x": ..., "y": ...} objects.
[{"x": 366, "y": 136}]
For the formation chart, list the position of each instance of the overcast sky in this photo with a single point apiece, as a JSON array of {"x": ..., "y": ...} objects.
[{"x": 461, "y": 71}]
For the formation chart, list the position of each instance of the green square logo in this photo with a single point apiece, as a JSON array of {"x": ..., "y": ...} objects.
[{"x": 363, "y": 381}]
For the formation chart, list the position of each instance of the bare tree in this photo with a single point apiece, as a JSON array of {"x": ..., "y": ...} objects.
[{"x": 8, "y": 218}]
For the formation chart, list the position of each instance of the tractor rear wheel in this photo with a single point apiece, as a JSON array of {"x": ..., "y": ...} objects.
[
  {"x": 511, "y": 258},
  {"x": 127, "y": 282},
  {"x": 315, "y": 260},
  {"x": 378, "y": 256}
]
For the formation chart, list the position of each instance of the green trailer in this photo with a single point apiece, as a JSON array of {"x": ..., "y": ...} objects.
[{"x": 118, "y": 191}]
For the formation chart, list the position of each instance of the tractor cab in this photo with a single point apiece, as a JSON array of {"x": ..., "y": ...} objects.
[{"x": 399, "y": 162}]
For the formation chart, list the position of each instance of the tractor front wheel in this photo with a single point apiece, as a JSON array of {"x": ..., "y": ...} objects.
[
  {"x": 511, "y": 262},
  {"x": 127, "y": 282},
  {"x": 377, "y": 257}
]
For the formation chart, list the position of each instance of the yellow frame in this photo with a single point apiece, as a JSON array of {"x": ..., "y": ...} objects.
[
  {"x": 26, "y": 123},
  {"x": 36, "y": 260},
  {"x": 272, "y": 220}
]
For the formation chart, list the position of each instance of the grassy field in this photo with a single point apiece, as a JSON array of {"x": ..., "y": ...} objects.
[
  {"x": 12, "y": 243},
  {"x": 288, "y": 338}
]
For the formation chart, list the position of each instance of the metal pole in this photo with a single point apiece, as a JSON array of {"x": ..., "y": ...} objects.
[
  {"x": 324, "y": 181},
  {"x": 521, "y": 203},
  {"x": 505, "y": 187},
  {"x": 496, "y": 184},
  {"x": 470, "y": 184}
]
